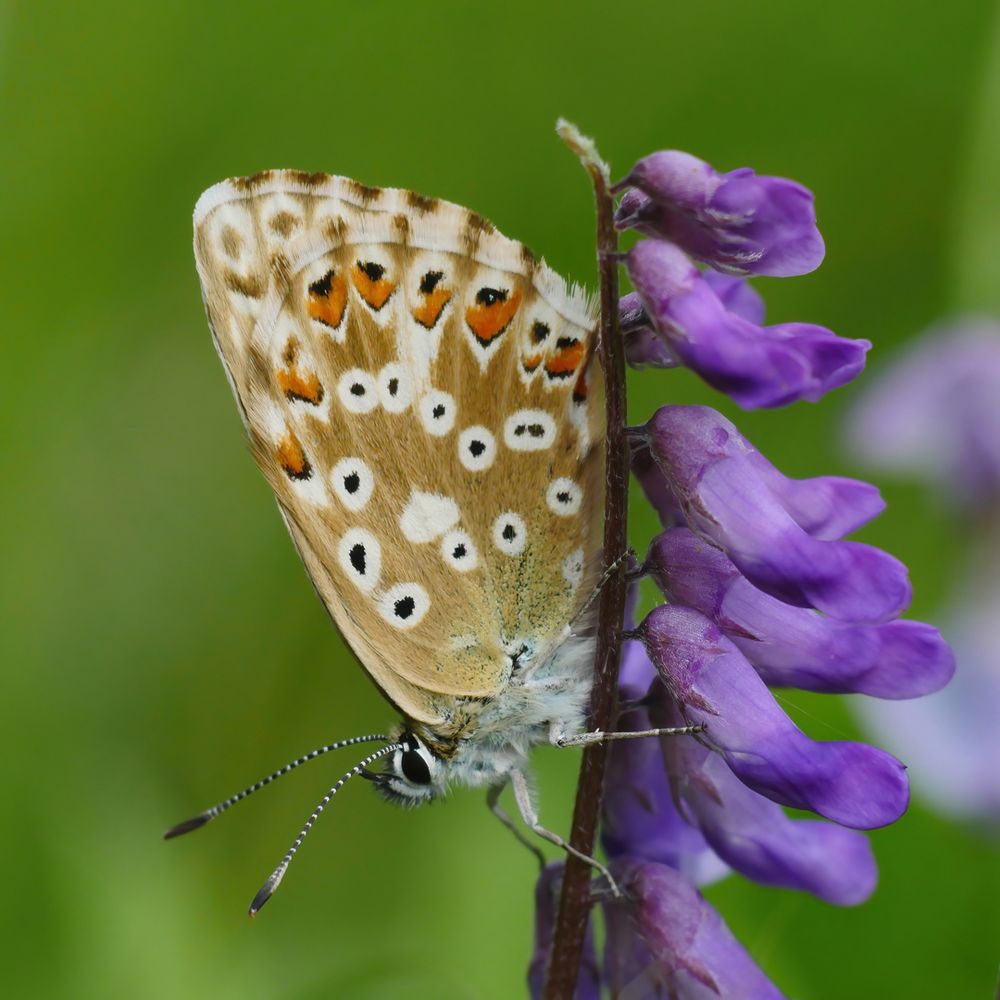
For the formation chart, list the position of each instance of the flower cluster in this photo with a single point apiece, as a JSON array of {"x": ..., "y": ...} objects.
[
  {"x": 761, "y": 589},
  {"x": 935, "y": 414}
]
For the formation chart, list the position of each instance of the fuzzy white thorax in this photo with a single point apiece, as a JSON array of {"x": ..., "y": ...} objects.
[{"x": 542, "y": 701}]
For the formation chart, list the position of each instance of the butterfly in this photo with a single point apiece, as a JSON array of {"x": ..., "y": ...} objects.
[{"x": 422, "y": 396}]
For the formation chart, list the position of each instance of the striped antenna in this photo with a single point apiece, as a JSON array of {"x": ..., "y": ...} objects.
[
  {"x": 209, "y": 814},
  {"x": 268, "y": 888}
]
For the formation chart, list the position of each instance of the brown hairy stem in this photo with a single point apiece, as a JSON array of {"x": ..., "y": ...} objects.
[{"x": 574, "y": 900}]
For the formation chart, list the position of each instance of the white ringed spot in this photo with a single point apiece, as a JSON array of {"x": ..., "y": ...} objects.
[
  {"x": 510, "y": 533},
  {"x": 564, "y": 497},
  {"x": 357, "y": 391},
  {"x": 427, "y": 516},
  {"x": 459, "y": 552},
  {"x": 572, "y": 568},
  {"x": 404, "y": 605},
  {"x": 437, "y": 412},
  {"x": 360, "y": 557},
  {"x": 353, "y": 483},
  {"x": 477, "y": 448},
  {"x": 529, "y": 430},
  {"x": 395, "y": 388}
]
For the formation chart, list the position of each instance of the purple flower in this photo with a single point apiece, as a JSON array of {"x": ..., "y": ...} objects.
[
  {"x": 850, "y": 783},
  {"x": 717, "y": 819},
  {"x": 639, "y": 816},
  {"x": 664, "y": 940},
  {"x": 756, "y": 365},
  {"x": 795, "y": 647},
  {"x": 655, "y": 486},
  {"x": 645, "y": 348},
  {"x": 951, "y": 740},
  {"x": 936, "y": 413},
  {"x": 588, "y": 983},
  {"x": 735, "y": 222},
  {"x": 752, "y": 834},
  {"x": 763, "y": 589},
  {"x": 780, "y": 533}
]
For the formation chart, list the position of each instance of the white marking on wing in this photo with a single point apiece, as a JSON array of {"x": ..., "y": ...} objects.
[
  {"x": 564, "y": 497},
  {"x": 437, "y": 412},
  {"x": 477, "y": 448},
  {"x": 404, "y": 605},
  {"x": 395, "y": 388},
  {"x": 459, "y": 552},
  {"x": 353, "y": 482},
  {"x": 360, "y": 557},
  {"x": 510, "y": 533},
  {"x": 357, "y": 391},
  {"x": 573, "y": 568},
  {"x": 428, "y": 516},
  {"x": 529, "y": 430}
]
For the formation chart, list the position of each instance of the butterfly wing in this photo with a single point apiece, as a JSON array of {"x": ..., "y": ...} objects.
[{"x": 418, "y": 390}]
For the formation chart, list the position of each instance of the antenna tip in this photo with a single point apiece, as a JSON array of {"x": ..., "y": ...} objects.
[
  {"x": 188, "y": 825},
  {"x": 267, "y": 890}
]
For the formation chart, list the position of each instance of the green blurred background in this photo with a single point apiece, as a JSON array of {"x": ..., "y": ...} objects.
[{"x": 161, "y": 644}]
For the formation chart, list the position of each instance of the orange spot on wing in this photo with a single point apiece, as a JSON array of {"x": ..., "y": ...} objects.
[
  {"x": 428, "y": 312},
  {"x": 298, "y": 385},
  {"x": 327, "y": 299},
  {"x": 488, "y": 320},
  {"x": 374, "y": 290},
  {"x": 531, "y": 363},
  {"x": 580, "y": 389},
  {"x": 292, "y": 458},
  {"x": 566, "y": 359}
]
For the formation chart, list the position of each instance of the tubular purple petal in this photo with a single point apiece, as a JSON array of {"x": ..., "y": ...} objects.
[
  {"x": 758, "y": 366},
  {"x": 736, "y": 222},
  {"x": 654, "y": 486},
  {"x": 754, "y": 835},
  {"x": 644, "y": 347},
  {"x": 795, "y": 647},
  {"x": 826, "y": 507},
  {"x": 737, "y": 295},
  {"x": 639, "y": 815},
  {"x": 850, "y": 783},
  {"x": 715, "y": 477},
  {"x": 665, "y": 940}
]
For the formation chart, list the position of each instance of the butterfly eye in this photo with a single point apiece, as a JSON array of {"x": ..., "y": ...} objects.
[{"x": 415, "y": 768}]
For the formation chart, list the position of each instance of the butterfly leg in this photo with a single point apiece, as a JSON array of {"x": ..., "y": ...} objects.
[
  {"x": 522, "y": 796},
  {"x": 558, "y": 739},
  {"x": 493, "y": 801},
  {"x": 629, "y": 553}
]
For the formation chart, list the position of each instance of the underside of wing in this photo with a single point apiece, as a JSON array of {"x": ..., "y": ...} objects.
[{"x": 419, "y": 392}]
